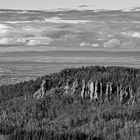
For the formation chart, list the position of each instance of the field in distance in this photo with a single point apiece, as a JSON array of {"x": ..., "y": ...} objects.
[{"x": 20, "y": 66}]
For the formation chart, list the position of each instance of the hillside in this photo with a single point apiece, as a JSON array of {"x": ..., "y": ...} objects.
[{"x": 89, "y": 103}]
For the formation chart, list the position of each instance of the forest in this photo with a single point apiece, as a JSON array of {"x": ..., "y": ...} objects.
[{"x": 61, "y": 115}]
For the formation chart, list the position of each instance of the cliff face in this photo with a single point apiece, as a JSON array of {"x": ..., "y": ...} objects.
[
  {"x": 94, "y": 91},
  {"x": 41, "y": 92}
]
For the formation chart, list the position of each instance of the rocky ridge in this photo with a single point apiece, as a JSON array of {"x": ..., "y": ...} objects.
[{"x": 95, "y": 91}]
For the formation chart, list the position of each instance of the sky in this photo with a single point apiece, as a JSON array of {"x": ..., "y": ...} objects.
[{"x": 53, "y": 4}]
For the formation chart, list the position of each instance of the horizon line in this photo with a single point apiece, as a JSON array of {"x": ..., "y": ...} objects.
[{"x": 70, "y": 8}]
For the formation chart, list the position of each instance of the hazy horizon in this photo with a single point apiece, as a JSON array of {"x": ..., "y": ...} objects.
[{"x": 53, "y": 4}]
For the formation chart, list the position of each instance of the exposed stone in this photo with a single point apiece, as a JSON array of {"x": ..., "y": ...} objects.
[
  {"x": 43, "y": 87},
  {"x": 101, "y": 92},
  {"x": 41, "y": 92},
  {"x": 107, "y": 93},
  {"x": 126, "y": 95},
  {"x": 110, "y": 91},
  {"x": 67, "y": 88},
  {"x": 91, "y": 89},
  {"x": 37, "y": 94},
  {"x": 121, "y": 93},
  {"x": 74, "y": 86},
  {"x": 83, "y": 88},
  {"x": 132, "y": 98},
  {"x": 96, "y": 91},
  {"x": 87, "y": 90}
]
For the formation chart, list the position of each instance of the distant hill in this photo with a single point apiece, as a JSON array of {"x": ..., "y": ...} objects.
[{"x": 55, "y": 107}]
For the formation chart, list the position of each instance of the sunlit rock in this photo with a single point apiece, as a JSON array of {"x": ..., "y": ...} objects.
[
  {"x": 107, "y": 93},
  {"x": 41, "y": 92},
  {"x": 110, "y": 91},
  {"x": 101, "y": 92},
  {"x": 67, "y": 88},
  {"x": 83, "y": 88},
  {"x": 96, "y": 91},
  {"x": 91, "y": 90}
]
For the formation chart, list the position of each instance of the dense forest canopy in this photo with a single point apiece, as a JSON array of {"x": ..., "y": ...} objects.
[
  {"x": 59, "y": 116},
  {"x": 118, "y": 75}
]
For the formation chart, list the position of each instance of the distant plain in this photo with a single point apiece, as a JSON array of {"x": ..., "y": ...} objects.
[
  {"x": 34, "y": 43},
  {"x": 20, "y": 66}
]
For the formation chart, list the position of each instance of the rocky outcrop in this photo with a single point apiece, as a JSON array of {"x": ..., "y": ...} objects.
[
  {"x": 74, "y": 86},
  {"x": 126, "y": 95},
  {"x": 94, "y": 90},
  {"x": 101, "y": 92},
  {"x": 41, "y": 92},
  {"x": 107, "y": 93},
  {"x": 67, "y": 88},
  {"x": 83, "y": 88},
  {"x": 91, "y": 90}
]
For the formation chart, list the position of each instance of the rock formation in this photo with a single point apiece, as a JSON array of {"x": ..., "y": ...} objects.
[
  {"x": 101, "y": 92},
  {"x": 132, "y": 98},
  {"x": 126, "y": 95},
  {"x": 107, "y": 93},
  {"x": 41, "y": 92},
  {"x": 121, "y": 93},
  {"x": 96, "y": 91},
  {"x": 83, "y": 88},
  {"x": 74, "y": 86},
  {"x": 91, "y": 90},
  {"x": 67, "y": 88},
  {"x": 110, "y": 92}
]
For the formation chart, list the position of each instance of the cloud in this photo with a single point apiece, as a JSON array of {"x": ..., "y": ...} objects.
[
  {"x": 112, "y": 43},
  {"x": 95, "y": 45},
  {"x": 38, "y": 41},
  {"x": 34, "y": 42},
  {"x": 59, "y": 20},
  {"x": 129, "y": 44},
  {"x": 133, "y": 9},
  {"x": 21, "y": 31},
  {"x": 3, "y": 26},
  {"x": 7, "y": 41},
  {"x": 21, "y": 40},
  {"x": 26, "y": 41},
  {"x": 131, "y": 34},
  {"x": 29, "y": 29},
  {"x": 83, "y": 44},
  {"x": 4, "y": 29},
  {"x": 57, "y": 33}
]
